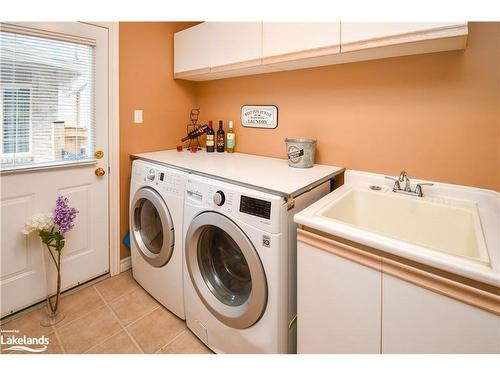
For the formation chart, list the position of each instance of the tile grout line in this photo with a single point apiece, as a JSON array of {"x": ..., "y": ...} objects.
[
  {"x": 120, "y": 323},
  {"x": 98, "y": 307},
  {"x": 103, "y": 341},
  {"x": 59, "y": 341},
  {"x": 120, "y": 296},
  {"x": 111, "y": 310},
  {"x": 54, "y": 329},
  {"x": 142, "y": 316},
  {"x": 65, "y": 324},
  {"x": 171, "y": 341},
  {"x": 124, "y": 327},
  {"x": 75, "y": 320},
  {"x": 105, "y": 304}
]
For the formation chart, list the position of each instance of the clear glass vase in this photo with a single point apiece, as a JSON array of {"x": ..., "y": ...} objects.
[
  {"x": 53, "y": 314},
  {"x": 51, "y": 318}
]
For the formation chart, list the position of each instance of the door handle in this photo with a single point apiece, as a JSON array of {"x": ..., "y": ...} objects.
[{"x": 99, "y": 172}]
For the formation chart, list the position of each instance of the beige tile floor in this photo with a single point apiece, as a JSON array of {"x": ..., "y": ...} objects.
[{"x": 114, "y": 316}]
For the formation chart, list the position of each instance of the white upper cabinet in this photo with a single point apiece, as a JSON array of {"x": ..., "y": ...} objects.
[
  {"x": 192, "y": 48},
  {"x": 235, "y": 42},
  {"x": 280, "y": 38},
  {"x": 214, "y": 50},
  {"x": 358, "y": 35}
]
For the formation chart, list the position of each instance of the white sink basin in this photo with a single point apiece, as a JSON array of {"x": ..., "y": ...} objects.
[
  {"x": 453, "y": 228},
  {"x": 450, "y": 228}
]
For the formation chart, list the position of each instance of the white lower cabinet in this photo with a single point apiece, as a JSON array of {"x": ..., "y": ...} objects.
[
  {"x": 339, "y": 304},
  {"x": 348, "y": 302},
  {"x": 417, "y": 320}
]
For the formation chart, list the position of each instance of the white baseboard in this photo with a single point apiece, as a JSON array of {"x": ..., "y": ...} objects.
[{"x": 125, "y": 264}]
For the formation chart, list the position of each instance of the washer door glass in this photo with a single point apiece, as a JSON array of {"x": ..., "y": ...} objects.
[
  {"x": 152, "y": 227},
  {"x": 223, "y": 266},
  {"x": 149, "y": 225},
  {"x": 225, "y": 270}
]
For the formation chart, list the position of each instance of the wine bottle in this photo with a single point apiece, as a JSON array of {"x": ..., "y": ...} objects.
[
  {"x": 210, "y": 143},
  {"x": 230, "y": 138},
  {"x": 221, "y": 138},
  {"x": 195, "y": 133}
]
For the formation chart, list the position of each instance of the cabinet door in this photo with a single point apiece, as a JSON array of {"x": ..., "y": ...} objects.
[
  {"x": 192, "y": 48},
  {"x": 338, "y": 304},
  {"x": 235, "y": 42},
  {"x": 280, "y": 38},
  {"x": 417, "y": 320},
  {"x": 358, "y": 32}
]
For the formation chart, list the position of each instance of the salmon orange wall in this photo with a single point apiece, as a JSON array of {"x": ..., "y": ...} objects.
[
  {"x": 146, "y": 82},
  {"x": 434, "y": 115}
]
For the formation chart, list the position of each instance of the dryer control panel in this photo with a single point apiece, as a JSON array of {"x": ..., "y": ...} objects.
[
  {"x": 259, "y": 209},
  {"x": 255, "y": 206}
]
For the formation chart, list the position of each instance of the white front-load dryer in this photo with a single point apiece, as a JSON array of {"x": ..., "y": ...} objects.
[
  {"x": 156, "y": 225},
  {"x": 239, "y": 279}
]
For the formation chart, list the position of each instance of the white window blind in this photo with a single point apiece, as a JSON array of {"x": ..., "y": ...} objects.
[{"x": 46, "y": 100}]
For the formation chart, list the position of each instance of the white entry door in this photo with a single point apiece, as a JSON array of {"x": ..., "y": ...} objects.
[{"x": 54, "y": 122}]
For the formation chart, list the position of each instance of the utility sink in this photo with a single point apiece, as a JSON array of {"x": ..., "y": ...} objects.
[{"x": 449, "y": 227}]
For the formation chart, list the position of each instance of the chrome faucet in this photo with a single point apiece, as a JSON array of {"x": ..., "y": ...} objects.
[{"x": 403, "y": 177}]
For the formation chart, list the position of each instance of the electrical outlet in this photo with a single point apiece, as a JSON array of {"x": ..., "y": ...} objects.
[{"x": 138, "y": 116}]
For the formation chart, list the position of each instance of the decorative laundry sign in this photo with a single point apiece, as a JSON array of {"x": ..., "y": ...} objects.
[{"x": 259, "y": 116}]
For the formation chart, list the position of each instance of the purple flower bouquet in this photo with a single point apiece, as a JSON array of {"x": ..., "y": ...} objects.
[{"x": 51, "y": 229}]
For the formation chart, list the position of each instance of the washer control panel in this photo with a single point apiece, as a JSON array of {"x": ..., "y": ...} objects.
[
  {"x": 151, "y": 175},
  {"x": 159, "y": 178}
]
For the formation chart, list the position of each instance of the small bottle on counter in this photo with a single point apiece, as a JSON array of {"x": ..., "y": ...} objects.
[
  {"x": 210, "y": 143},
  {"x": 221, "y": 139},
  {"x": 230, "y": 138}
]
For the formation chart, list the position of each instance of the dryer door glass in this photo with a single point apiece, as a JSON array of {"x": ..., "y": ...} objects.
[
  {"x": 225, "y": 270},
  {"x": 152, "y": 228},
  {"x": 223, "y": 266}
]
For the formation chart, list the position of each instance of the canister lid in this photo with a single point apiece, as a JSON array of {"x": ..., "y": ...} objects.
[{"x": 300, "y": 140}]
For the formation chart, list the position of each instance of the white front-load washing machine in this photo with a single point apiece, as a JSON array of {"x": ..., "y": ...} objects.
[
  {"x": 240, "y": 277},
  {"x": 156, "y": 219}
]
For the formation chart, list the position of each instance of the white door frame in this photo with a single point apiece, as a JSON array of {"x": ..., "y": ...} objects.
[{"x": 114, "y": 145}]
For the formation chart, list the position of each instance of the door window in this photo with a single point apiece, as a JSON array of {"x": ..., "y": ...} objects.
[{"x": 46, "y": 101}]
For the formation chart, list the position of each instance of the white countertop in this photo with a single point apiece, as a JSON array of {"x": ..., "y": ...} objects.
[
  {"x": 260, "y": 172},
  {"x": 487, "y": 203}
]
